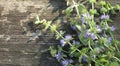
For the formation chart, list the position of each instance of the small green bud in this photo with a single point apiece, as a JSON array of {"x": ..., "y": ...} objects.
[
  {"x": 102, "y": 3},
  {"x": 117, "y": 7},
  {"x": 103, "y": 10},
  {"x": 92, "y": 1},
  {"x": 93, "y": 11},
  {"x": 37, "y": 20}
]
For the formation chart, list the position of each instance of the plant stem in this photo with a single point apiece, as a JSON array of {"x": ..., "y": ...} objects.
[
  {"x": 76, "y": 7},
  {"x": 117, "y": 58},
  {"x": 90, "y": 45},
  {"x": 64, "y": 38},
  {"x": 116, "y": 47},
  {"x": 92, "y": 8}
]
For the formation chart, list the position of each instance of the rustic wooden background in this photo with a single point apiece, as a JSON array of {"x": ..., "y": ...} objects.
[{"x": 16, "y": 27}]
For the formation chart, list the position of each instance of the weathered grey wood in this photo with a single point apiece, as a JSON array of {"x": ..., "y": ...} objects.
[{"x": 14, "y": 18}]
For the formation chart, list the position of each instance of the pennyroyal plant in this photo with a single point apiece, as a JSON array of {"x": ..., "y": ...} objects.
[{"x": 92, "y": 43}]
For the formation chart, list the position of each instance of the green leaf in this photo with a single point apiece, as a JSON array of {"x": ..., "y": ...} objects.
[
  {"x": 58, "y": 36},
  {"x": 78, "y": 27},
  {"x": 92, "y": 24},
  {"x": 80, "y": 64},
  {"x": 53, "y": 51},
  {"x": 117, "y": 54},
  {"x": 103, "y": 10},
  {"x": 93, "y": 11},
  {"x": 97, "y": 50},
  {"x": 82, "y": 8},
  {"x": 114, "y": 64},
  {"x": 37, "y": 20},
  {"x": 104, "y": 56},
  {"x": 47, "y": 24},
  {"x": 96, "y": 64},
  {"x": 82, "y": 39},
  {"x": 113, "y": 11},
  {"x": 102, "y": 3},
  {"x": 59, "y": 48},
  {"x": 80, "y": 58},
  {"x": 53, "y": 28},
  {"x": 103, "y": 40},
  {"x": 117, "y": 6},
  {"x": 103, "y": 60},
  {"x": 69, "y": 10},
  {"x": 85, "y": 50},
  {"x": 73, "y": 49},
  {"x": 74, "y": 54}
]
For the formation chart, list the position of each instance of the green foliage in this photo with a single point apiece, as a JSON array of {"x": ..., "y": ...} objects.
[
  {"x": 102, "y": 3},
  {"x": 114, "y": 64},
  {"x": 37, "y": 20},
  {"x": 69, "y": 10},
  {"x": 93, "y": 42},
  {"x": 53, "y": 51},
  {"x": 82, "y": 8},
  {"x": 117, "y": 7},
  {"x": 103, "y": 10},
  {"x": 93, "y": 11}
]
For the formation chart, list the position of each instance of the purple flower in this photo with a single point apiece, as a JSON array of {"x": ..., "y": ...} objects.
[
  {"x": 99, "y": 49},
  {"x": 74, "y": 28},
  {"x": 62, "y": 42},
  {"x": 64, "y": 63},
  {"x": 87, "y": 34},
  {"x": 83, "y": 20},
  {"x": 93, "y": 36},
  {"x": 77, "y": 42},
  {"x": 71, "y": 61},
  {"x": 84, "y": 58},
  {"x": 109, "y": 39},
  {"x": 58, "y": 56},
  {"x": 112, "y": 28},
  {"x": 104, "y": 17},
  {"x": 68, "y": 37},
  {"x": 85, "y": 17}
]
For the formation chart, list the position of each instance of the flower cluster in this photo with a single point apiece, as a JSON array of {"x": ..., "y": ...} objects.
[
  {"x": 85, "y": 18},
  {"x": 91, "y": 35},
  {"x": 64, "y": 41},
  {"x": 59, "y": 56},
  {"x": 66, "y": 62},
  {"x": 104, "y": 17},
  {"x": 92, "y": 42}
]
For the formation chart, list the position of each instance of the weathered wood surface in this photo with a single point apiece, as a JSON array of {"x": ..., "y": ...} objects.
[{"x": 16, "y": 17}]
